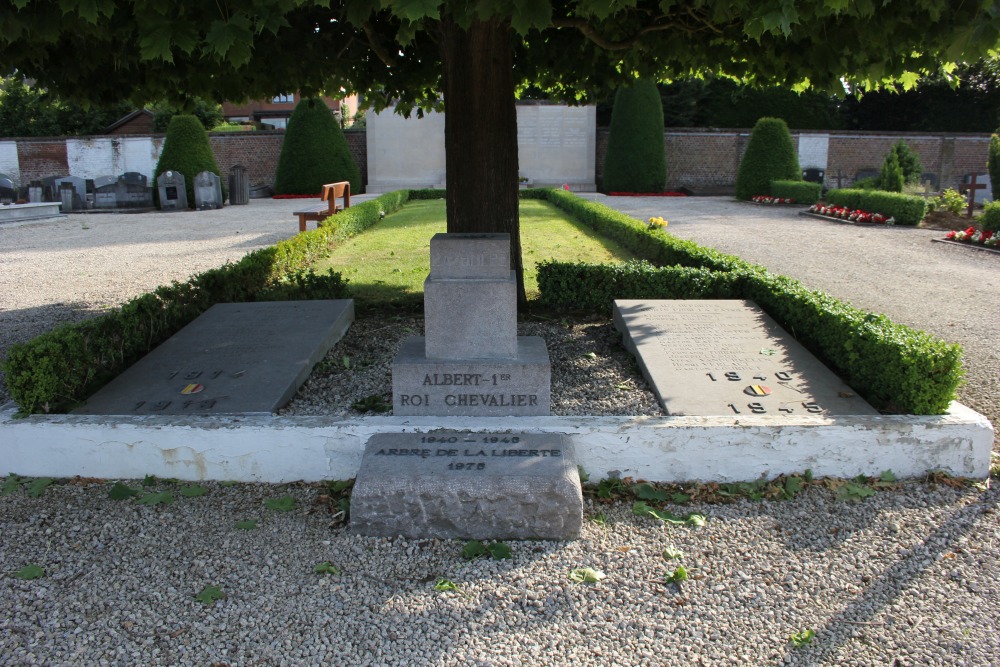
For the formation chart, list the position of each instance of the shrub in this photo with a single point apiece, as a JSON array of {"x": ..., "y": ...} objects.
[
  {"x": 990, "y": 219},
  {"x": 993, "y": 165},
  {"x": 909, "y": 162},
  {"x": 314, "y": 152},
  {"x": 634, "y": 161},
  {"x": 897, "y": 369},
  {"x": 891, "y": 178},
  {"x": 186, "y": 149},
  {"x": 770, "y": 156},
  {"x": 59, "y": 369},
  {"x": 803, "y": 192},
  {"x": 906, "y": 209},
  {"x": 869, "y": 183},
  {"x": 950, "y": 200}
]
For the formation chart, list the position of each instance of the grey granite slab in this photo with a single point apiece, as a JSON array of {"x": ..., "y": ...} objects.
[
  {"x": 452, "y": 484},
  {"x": 476, "y": 387},
  {"x": 470, "y": 318},
  {"x": 728, "y": 357},
  {"x": 470, "y": 255},
  {"x": 235, "y": 359}
]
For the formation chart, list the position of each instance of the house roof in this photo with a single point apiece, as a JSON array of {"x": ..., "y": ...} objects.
[{"x": 127, "y": 118}]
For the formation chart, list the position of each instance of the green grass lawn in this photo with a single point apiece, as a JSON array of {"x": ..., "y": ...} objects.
[{"x": 391, "y": 260}]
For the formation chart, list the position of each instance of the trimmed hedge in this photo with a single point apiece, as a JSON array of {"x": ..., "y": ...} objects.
[
  {"x": 314, "y": 152},
  {"x": 769, "y": 156},
  {"x": 895, "y": 368},
  {"x": 803, "y": 192},
  {"x": 993, "y": 166},
  {"x": 990, "y": 219},
  {"x": 906, "y": 209},
  {"x": 186, "y": 149},
  {"x": 635, "y": 161},
  {"x": 61, "y": 368}
]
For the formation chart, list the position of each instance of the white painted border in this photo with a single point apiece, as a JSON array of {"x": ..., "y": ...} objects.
[{"x": 667, "y": 449}]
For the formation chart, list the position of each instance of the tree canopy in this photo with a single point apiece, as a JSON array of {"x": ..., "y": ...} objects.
[{"x": 107, "y": 50}]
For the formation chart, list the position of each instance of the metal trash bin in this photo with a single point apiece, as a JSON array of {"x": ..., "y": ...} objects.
[{"x": 239, "y": 186}]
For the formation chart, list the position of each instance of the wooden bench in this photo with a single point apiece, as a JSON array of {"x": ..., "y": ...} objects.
[{"x": 331, "y": 192}]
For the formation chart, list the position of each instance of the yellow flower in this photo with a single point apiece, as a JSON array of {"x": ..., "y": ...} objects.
[{"x": 658, "y": 223}]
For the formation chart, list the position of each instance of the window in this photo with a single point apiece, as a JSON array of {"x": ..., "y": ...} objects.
[{"x": 283, "y": 99}]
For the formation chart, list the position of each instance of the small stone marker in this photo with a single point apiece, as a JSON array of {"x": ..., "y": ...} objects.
[
  {"x": 452, "y": 484},
  {"x": 728, "y": 357},
  {"x": 234, "y": 359},
  {"x": 207, "y": 191},
  {"x": 471, "y": 361},
  {"x": 72, "y": 192},
  {"x": 173, "y": 196}
]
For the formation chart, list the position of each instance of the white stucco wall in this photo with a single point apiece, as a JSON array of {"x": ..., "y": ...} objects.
[{"x": 9, "y": 163}]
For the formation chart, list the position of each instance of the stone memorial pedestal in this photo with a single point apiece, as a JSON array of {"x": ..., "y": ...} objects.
[
  {"x": 451, "y": 484},
  {"x": 471, "y": 361}
]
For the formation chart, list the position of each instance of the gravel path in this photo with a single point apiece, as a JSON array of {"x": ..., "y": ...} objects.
[{"x": 909, "y": 576}]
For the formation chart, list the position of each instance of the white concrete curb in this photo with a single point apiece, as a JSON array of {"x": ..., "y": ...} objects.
[{"x": 666, "y": 449}]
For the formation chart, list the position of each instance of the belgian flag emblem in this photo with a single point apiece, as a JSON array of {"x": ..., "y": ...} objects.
[
  {"x": 192, "y": 389},
  {"x": 757, "y": 390}
]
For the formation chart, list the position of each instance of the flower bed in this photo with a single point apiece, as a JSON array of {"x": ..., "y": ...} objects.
[
  {"x": 768, "y": 199},
  {"x": 975, "y": 237},
  {"x": 851, "y": 215}
]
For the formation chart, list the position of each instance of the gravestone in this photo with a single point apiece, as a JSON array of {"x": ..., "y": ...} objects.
[
  {"x": 105, "y": 192},
  {"x": 814, "y": 175},
  {"x": 173, "y": 196},
  {"x": 452, "y": 484},
  {"x": 471, "y": 360},
  {"x": 134, "y": 191},
  {"x": 50, "y": 188},
  {"x": 207, "y": 191},
  {"x": 234, "y": 359},
  {"x": 71, "y": 192},
  {"x": 36, "y": 192},
  {"x": 8, "y": 193},
  {"x": 727, "y": 357}
]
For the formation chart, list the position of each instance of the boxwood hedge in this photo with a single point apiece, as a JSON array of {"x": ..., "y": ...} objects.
[
  {"x": 906, "y": 209},
  {"x": 895, "y": 368},
  {"x": 59, "y": 369},
  {"x": 803, "y": 192}
]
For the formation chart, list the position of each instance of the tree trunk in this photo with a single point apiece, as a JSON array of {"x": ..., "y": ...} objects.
[{"x": 480, "y": 132}]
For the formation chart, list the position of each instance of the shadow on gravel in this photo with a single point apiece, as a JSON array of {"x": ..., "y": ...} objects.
[{"x": 881, "y": 591}]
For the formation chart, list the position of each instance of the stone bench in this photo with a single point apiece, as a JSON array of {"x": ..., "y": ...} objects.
[{"x": 331, "y": 192}]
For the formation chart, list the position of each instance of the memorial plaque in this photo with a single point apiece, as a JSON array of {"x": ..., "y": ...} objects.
[
  {"x": 452, "y": 484},
  {"x": 711, "y": 358},
  {"x": 235, "y": 359},
  {"x": 207, "y": 191}
]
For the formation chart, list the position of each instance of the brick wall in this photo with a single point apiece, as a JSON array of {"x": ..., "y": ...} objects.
[
  {"x": 706, "y": 161},
  {"x": 38, "y": 158}
]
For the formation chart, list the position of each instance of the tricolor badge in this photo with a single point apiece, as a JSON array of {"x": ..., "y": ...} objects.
[
  {"x": 757, "y": 390},
  {"x": 192, "y": 388}
]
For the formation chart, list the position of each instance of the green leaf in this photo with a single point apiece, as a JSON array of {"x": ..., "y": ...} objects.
[
  {"x": 29, "y": 572},
  {"x": 10, "y": 485},
  {"x": 326, "y": 567},
  {"x": 586, "y": 575},
  {"x": 584, "y": 477},
  {"x": 414, "y": 10},
  {"x": 248, "y": 524},
  {"x": 640, "y": 508},
  {"x": 228, "y": 483},
  {"x": 601, "y": 519},
  {"x": 156, "y": 499},
  {"x": 793, "y": 485},
  {"x": 347, "y": 362},
  {"x": 499, "y": 551},
  {"x": 679, "y": 574},
  {"x": 672, "y": 553},
  {"x": 887, "y": 476},
  {"x": 852, "y": 491},
  {"x": 800, "y": 639},
  {"x": 696, "y": 520},
  {"x": 530, "y": 14},
  {"x": 282, "y": 504},
  {"x": 681, "y": 498},
  {"x": 37, "y": 486},
  {"x": 444, "y": 585},
  {"x": 149, "y": 480},
  {"x": 120, "y": 492},
  {"x": 193, "y": 491},
  {"x": 209, "y": 594},
  {"x": 648, "y": 492},
  {"x": 473, "y": 549}
]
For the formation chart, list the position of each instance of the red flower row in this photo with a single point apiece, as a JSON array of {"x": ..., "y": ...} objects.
[
  {"x": 975, "y": 236},
  {"x": 768, "y": 199},
  {"x": 853, "y": 215}
]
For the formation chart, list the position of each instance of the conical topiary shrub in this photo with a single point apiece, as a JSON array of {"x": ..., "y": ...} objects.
[
  {"x": 993, "y": 166},
  {"x": 635, "y": 161},
  {"x": 770, "y": 156},
  {"x": 891, "y": 179},
  {"x": 186, "y": 149},
  {"x": 314, "y": 152}
]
